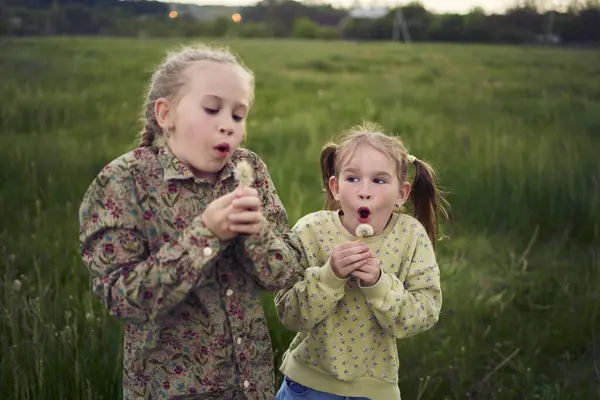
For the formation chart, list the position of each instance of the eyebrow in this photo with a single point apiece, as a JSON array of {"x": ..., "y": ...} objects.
[{"x": 377, "y": 173}]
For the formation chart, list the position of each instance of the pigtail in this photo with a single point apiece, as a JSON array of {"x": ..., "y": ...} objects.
[
  {"x": 327, "y": 171},
  {"x": 151, "y": 128},
  {"x": 146, "y": 137},
  {"x": 426, "y": 198}
]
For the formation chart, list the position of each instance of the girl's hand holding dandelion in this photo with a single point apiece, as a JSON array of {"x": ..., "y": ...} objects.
[
  {"x": 236, "y": 212},
  {"x": 347, "y": 257},
  {"x": 246, "y": 216},
  {"x": 368, "y": 272},
  {"x": 216, "y": 217}
]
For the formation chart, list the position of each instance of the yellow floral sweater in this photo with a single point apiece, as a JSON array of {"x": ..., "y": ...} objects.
[{"x": 346, "y": 341}]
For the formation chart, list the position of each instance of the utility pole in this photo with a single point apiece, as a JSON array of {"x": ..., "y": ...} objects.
[
  {"x": 550, "y": 27},
  {"x": 400, "y": 24}
]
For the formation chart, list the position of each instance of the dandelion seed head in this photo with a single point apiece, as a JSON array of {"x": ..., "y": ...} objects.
[
  {"x": 244, "y": 173},
  {"x": 364, "y": 230}
]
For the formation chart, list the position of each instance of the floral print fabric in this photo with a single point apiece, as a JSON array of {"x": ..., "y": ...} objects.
[{"x": 194, "y": 324}]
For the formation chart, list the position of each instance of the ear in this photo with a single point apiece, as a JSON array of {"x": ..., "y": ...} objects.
[
  {"x": 334, "y": 187},
  {"x": 163, "y": 113},
  {"x": 404, "y": 193}
]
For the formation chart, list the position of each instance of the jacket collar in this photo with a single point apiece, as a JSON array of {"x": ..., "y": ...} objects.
[{"x": 174, "y": 169}]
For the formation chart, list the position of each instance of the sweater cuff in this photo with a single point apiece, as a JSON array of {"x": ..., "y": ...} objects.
[
  {"x": 330, "y": 280},
  {"x": 378, "y": 291}
]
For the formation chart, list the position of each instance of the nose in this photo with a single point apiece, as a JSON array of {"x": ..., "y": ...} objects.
[
  {"x": 364, "y": 195},
  {"x": 364, "y": 190},
  {"x": 226, "y": 130},
  {"x": 225, "y": 124}
]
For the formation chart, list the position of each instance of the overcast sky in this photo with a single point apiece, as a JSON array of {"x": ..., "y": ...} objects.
[{"x": 459, "y": 6}]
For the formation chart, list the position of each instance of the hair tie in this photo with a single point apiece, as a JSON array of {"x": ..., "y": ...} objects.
[{"x": 410, "y": 158}]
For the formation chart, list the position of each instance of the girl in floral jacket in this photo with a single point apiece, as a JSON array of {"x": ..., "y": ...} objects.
[{"x": 179, "y": 242}]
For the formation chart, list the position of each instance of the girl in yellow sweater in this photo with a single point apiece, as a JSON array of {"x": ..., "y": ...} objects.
[{"x": 360, "y": 294}]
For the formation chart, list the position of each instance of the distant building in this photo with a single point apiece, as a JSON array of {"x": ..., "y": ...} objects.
[{"x": 368, "y": 13}]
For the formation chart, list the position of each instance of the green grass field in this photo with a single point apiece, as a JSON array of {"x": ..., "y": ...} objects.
[{"x": 512, "y": 132}]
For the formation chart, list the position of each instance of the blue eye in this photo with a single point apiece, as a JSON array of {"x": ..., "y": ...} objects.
[
  {"x": 237, "y": 118},
  {"x": 379, "y": 181},
  {"x": 351, "y": 179}
]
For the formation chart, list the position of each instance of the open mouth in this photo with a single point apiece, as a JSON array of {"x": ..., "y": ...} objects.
[
  {"x": 222, "y": 149},
  {"x": 363, "y": 214}
]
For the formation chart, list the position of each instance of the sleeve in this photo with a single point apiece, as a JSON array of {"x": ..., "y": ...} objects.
[
  {"x": 404, "y": 309},
  {"x": 132, "y": 283},
  {"x": 269, "y": 258},
  {"x": 301, "y": 306}
]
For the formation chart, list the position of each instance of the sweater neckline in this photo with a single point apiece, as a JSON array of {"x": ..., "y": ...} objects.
[{"x": 370, "y": 239}]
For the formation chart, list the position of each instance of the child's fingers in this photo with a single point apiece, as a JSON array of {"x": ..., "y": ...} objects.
[
  {"x": 353, "y": 251},
  {"x": 363, "y": 276},
  {"x": 221, "y": 202},
  {"x": 370, "y": 265},
  {"x": 346, "y": 262},
  {"x": 245, "y": 217},
  {"x": 247, "y": 202},
  {"x": 357, "y": 265},
  {"x": 243, "y": 191},
  {"x": 227, "y": 211},
  {"x": 246, "y": 228},
  {"x": 350, "y": 245}
]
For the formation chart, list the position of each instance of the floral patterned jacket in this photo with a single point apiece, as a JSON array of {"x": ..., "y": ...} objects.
[{"x": 195, "y": 327}]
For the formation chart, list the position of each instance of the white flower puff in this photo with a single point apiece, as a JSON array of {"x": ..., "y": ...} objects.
[
  {"x": 364, "y": 230},
  {"x": 244, "y": 173}
]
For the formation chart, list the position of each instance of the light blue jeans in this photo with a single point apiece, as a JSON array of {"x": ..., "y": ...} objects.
[{"x": 291, "y": 390}]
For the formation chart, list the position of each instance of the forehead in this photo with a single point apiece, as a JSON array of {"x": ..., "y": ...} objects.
[
  {"x": 226, "y": 81},
  {"x": 367, "y": 158}
]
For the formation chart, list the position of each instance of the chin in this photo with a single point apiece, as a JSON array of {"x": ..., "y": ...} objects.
[{"x": 213, "y": 164}]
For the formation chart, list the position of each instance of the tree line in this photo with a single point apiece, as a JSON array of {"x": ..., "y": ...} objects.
[{"x": 525, "y": 22}]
